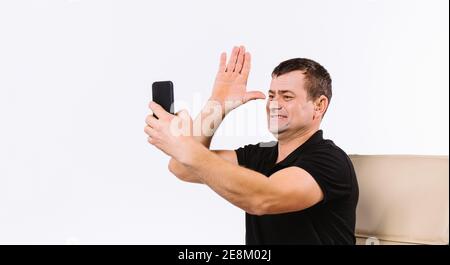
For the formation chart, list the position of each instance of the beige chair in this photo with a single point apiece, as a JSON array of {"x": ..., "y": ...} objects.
[{"x": 403, "y": 199}]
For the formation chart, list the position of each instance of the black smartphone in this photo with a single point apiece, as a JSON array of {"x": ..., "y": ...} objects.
[{"x": 162, "y": 93}]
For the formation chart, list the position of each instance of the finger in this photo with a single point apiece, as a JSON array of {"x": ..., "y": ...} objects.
[
  {"x": 252, "y": 95},
  {"x": 158, "y": 110},
  {"x": 151, "y": 140},
  {"x": 223, "y": 61},
  {"x": 151, "y": 121},
  {"x": 150, "y": 131},
  {"x": 240, "y": 60},
  {"x": 247, "y": 64},
  {"x": 232, "y": 62}
]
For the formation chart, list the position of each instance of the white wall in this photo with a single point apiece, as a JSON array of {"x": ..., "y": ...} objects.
[{"x": 75, "y": 81}]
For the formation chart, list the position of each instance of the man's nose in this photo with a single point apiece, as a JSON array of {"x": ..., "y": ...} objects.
[{"x": 275, "y": 105}]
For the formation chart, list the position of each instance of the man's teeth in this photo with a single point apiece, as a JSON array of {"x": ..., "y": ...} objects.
[{"x": 277, "y": 116}]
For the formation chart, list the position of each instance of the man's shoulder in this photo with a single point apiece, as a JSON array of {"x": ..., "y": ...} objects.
[
  {"x": 261, "y": 146},
  {"x": 329, "y": 151},
  {"x": 252, "y": 154},
  {"x": 329, "y": 146}
]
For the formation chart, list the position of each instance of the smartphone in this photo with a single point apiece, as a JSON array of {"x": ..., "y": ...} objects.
[{"x": 162, "y": 92}]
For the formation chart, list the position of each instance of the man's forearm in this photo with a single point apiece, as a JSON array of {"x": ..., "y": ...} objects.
[
  {"x": 242, "y": 187},
  {"x": 207, "y": 122},
  {"x": 205, "y": 125}
]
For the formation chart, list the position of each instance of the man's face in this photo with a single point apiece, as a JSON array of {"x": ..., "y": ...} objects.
[{"x": 288, "y": 108}]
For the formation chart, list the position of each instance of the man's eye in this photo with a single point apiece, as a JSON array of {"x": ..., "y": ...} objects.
[
  {"x": 270, "y": 96},
  {"x": 287, "y": 97}
]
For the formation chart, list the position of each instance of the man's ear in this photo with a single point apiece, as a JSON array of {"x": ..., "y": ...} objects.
[{"x": 320, "y": 106}]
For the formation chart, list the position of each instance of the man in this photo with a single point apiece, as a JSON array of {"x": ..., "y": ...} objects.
[{"x": 299, "y": 190}]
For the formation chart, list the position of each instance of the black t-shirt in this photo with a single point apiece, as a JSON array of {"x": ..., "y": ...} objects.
[{"x": 332, "y": 220}]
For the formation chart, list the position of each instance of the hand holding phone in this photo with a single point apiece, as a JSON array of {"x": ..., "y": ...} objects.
[{"x": 162, "y": 93}]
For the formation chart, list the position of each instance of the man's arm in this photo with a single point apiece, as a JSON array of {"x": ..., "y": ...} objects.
[
  {"x": 205, "y": 125},
  {"x": 185, "y": 174},
  {"x": 287, "y": 190},
  {"x": 229, "y": 92},
  {"x": 290, "y": 189}
]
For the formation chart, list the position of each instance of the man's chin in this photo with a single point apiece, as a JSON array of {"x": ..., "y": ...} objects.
[{"x": 276, "y": 129}]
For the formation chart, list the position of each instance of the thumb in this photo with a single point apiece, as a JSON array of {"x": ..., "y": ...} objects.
[
  {"x": 183, "y": 115},
  {"x": 157, "y": 110},
  {"x": 252, "y": 95},
  {"x": 186, "y": 122}
]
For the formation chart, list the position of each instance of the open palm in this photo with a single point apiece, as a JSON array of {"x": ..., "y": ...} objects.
[{"x": 230, "y": 86}]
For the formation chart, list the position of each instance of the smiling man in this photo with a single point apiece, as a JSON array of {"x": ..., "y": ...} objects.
[{"x": 301, "y": 189}]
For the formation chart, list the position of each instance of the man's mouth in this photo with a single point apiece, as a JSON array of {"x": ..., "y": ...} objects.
[{"x": 277, "y": 116}]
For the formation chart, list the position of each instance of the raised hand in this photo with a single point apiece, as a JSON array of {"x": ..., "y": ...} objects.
[{"x": 230, "y": 86}]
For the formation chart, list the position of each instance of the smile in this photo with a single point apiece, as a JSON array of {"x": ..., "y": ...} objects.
[{"x": 278, "y": 116}]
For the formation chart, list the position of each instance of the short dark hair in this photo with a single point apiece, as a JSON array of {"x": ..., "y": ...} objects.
[{"x": 318, "y": 80}]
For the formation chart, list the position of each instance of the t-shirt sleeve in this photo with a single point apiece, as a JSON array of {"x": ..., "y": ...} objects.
[
  {"x": 245, "y": 153},
  {"x": 331, "y": 171}
]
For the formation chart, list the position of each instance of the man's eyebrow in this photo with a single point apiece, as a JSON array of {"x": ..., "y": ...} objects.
[
  {"x": 287, "y": 91},
  {"x": 282, "y": 91}
]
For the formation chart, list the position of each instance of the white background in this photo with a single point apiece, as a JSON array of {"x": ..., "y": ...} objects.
[{"x": 75, "y": 79}]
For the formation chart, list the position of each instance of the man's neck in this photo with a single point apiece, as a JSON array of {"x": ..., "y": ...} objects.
[{"x": 287, "y": 145}]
